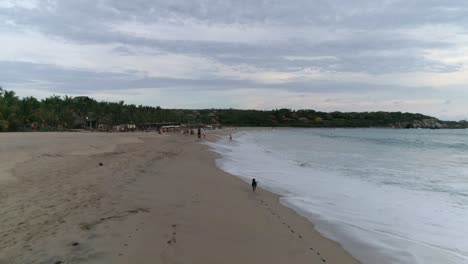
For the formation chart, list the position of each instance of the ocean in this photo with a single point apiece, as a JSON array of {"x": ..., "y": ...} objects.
[{"x": 386, "y": 195}]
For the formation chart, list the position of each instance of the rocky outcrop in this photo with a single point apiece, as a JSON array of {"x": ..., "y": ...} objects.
[{"x": 424, "y": 123}]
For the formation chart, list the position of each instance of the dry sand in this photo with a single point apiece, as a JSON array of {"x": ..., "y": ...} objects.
[{"x": 155, "y": 199}]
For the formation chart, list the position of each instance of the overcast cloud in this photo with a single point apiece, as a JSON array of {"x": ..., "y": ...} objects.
[{"x": 328, "y": 55}]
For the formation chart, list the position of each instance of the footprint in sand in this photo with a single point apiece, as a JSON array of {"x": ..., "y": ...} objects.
[{"x": 195, "y": 200}]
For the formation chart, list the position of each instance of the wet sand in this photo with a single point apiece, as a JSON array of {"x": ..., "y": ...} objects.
[{"x": 155, "y": 199}]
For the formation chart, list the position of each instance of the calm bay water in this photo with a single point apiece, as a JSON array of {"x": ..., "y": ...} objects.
[{"x": 386, "y": 195}]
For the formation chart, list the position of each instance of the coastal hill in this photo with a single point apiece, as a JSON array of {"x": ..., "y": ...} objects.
[{"x": 64, "y": 113}]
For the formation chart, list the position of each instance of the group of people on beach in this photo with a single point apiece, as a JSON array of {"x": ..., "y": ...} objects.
[{"x": 201, "y": 132}]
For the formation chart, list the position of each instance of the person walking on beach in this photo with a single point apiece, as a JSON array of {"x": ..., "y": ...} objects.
[
  {"x": 199, "y": 133},
  {"x": 230, "y": 137},
  {"x": 254, "y": 184}
]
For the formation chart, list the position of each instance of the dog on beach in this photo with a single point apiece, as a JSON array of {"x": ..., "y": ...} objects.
[{"x": 254, "y": 184}]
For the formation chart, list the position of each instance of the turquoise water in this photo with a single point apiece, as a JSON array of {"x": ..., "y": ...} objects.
[{"x": 386, "y": 195}]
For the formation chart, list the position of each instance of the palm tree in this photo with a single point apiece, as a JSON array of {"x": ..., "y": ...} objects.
[{"x": 8, "y": 111}]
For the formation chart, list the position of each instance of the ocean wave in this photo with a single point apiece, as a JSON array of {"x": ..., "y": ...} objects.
[{"x": 385, "y": 199}]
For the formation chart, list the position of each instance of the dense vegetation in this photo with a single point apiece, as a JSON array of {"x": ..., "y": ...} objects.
[{"x": 63, "y": 113}]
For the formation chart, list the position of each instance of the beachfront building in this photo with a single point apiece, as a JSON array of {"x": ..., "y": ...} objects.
[
  {"x": 90, "y": 122},
  {"x": 104, "y": 124}
]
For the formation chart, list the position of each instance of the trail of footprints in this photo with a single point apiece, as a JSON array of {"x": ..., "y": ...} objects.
[
  {"x": 168, "y": 254},
  {"x": 77, "y": 246},
  {"x": 272, "y": 212},
  {"x": 173, "y": 239}
]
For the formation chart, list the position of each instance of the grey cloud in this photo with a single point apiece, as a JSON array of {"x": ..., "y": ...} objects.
[
  {"x": 331, "y": 14},
  {"x": 360, "y": 13},
  {"x": 351, "y": 56},
  {"x": 78, "y": 81},
  {"x": 122, "y": 50},
  {"x": 369, "y": 22}
]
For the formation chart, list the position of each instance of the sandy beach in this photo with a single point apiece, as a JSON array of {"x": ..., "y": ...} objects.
[{"x": 140, "y": 198}]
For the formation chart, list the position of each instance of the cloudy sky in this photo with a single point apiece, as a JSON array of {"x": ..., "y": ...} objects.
[{"x": 360, "y": 55}]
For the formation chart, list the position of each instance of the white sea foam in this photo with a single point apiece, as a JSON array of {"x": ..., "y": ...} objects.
[{"x": 387, "y": 196}]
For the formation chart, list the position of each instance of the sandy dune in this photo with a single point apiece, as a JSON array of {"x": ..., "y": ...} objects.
[{"x": 155, "y": 199}]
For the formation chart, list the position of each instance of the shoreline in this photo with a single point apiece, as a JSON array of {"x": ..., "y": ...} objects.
[
  {"x": 357, "y": 220},
  {"x": 302, "y": 222},
  {"x": 163, "y": 200}
]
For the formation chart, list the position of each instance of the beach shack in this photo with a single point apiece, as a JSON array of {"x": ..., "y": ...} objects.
[{"x": 90, "y": 122}]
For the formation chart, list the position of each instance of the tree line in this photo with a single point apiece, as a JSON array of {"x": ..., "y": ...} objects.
[{"x": 57, "y": 113}]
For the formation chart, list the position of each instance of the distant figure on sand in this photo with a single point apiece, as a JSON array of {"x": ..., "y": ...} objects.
[
  {"x": 230, "y": 137},
  {"x": 199, "y": 133},
  {"x": 254, "y": 184}
]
